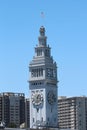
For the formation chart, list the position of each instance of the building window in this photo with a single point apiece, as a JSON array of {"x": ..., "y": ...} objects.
[
  {"x": 41, "y": 118},
  {"x": 51, "y": 110},
  {"x": 48, "y": 119},
  {"x": 47, "y": 53},
  {"x": 37, "y": 72},
  {"x": 33, "y": 119},
  {"x": 39, "y": 52},
  {"x": 54, "y": 119}
]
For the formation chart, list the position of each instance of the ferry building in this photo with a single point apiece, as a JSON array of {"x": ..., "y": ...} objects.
[{"x": 43, "y": 86}]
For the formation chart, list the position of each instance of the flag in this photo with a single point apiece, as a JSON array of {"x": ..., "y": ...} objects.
[{"x": 42, "y": 14}]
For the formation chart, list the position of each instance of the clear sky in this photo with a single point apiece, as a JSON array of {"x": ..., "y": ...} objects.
[{"x": 65, "y": 22}]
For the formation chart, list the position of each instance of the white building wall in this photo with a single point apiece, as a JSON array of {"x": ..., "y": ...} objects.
[{"x": 36, "y": 118}]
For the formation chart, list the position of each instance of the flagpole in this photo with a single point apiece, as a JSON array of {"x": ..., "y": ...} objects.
[{"x": 42, "y": 18}]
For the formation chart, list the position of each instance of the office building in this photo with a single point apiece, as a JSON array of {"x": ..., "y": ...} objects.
[
  {"x": 12, "y": 109},
  {"x": 27, "y": 113},
  {"x": 72, "y": 113}
]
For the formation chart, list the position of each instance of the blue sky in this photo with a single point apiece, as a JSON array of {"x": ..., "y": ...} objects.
[{"x": 65, "y": 22}]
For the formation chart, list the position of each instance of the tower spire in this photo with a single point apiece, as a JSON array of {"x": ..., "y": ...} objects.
[
  {"x": 42, "y": 31},
  {"x": 42, "y": 38}
]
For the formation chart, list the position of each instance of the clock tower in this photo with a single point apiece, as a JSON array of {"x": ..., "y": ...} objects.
[{"x": 43, "y": 86}]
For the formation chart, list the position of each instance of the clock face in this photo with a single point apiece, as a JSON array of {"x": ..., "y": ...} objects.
[
  {"x": 51, "y": 97},
  {"x": 37, "y": 98}
]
